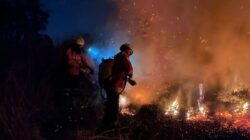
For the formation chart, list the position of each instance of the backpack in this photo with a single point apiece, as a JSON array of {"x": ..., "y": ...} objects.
[{"x": 105, "y": 71}]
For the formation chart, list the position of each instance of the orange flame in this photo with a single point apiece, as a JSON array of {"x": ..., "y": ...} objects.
[{"x": 140, "y": 95}]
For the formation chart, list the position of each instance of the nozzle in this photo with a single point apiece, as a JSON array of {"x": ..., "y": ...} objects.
[{"x": 132, "y": 82}]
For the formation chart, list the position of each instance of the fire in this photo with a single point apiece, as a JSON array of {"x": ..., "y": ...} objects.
[
  {"x": 201, "y": 113},
  {"x": 241, "y": 123},
  {"x": 233, "y": 120},
  {"x": 127, "y": 111},
  {"x": 242, "y": 109},
  {"x": 123, "y": 101},
  {"x": 237, "y": 119},
  {"x": 190, "y": 113},
  {"x": 224, "y": 115},
  {"x": 197, "y": 115},
  {"x": 140, "y": 95},
  {"x": 235, "y": 116},
  {"x": 201, "y": 105},
  {"x": 123, "y": 104},
  {"x": 173, "y": 109},
  {"x": 245, "y": 107}
]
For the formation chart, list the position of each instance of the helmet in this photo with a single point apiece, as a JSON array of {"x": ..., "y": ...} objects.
[
  {"x": 125, "y": 47},
  {"x": 79, "y": 41}
]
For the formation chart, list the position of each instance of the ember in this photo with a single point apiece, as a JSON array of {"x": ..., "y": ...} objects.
[{"x": 127, "y": 111}]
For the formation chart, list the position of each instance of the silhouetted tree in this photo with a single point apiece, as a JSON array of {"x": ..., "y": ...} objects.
[
  {"x": 21, "y": 20},
  {"x": 26, "y": 60}
]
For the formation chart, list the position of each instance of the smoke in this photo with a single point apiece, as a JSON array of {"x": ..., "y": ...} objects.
[
  {"x": 178, "y": 44},
  {"x": 187, "y": 42}
]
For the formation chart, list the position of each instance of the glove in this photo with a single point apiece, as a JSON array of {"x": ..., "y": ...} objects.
[{"x": 87, "y": 71}]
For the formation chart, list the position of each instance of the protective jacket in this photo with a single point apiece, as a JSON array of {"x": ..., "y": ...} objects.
[
  {"x": 122, "y": 68},
  {"x": 76, "y": 61}
]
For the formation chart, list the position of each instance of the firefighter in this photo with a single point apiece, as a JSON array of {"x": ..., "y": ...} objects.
[
  {"x": 76, "y": 63},
  {"x": 122, "y": 71}
]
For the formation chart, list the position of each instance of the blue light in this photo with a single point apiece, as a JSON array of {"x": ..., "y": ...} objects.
[
  {"x": 98, "y": 53},
  {"x": 93, "y": 52}
]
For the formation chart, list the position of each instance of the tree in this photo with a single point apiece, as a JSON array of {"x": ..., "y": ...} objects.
[{"x": 21, "y": 20}]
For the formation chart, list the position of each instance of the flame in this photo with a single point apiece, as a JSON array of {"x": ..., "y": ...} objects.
[
  {"x": 173, "y": 109},
  {"x": 127, "y": 111},
  {"x": 140, "y": 95},
  {"x": 201, "y": 113},
  {"x": 198, "y": 115},
  {"x": 224, "y": 115},
  {"x": 190, "y": 113},
  {"x": 123, "y": 101},
  {"x": 241, "y": 109},
  {"x": 233, "y": 120},
  {"x": 241, "y": 123},
  {"x": 245, "y": 107},
  {"x": 235, "y": 117}
]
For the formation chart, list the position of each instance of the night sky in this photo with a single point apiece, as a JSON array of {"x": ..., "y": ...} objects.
[{"x": 70, "y": 17}]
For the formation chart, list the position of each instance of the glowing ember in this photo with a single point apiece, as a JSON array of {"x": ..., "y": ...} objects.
[
  {"x": 241, "y": 123},
  {"x": 236, "y": 119},
  {"x": 127, "y": 111},
  {"x": 224, "y": 115}
]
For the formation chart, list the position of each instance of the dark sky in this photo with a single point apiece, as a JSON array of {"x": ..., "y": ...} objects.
[{"x": 70, "y": 17}]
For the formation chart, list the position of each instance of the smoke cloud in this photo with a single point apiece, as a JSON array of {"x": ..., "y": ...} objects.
[
  {"x": 187, "y": 42},
  {"x": 178, "y": 44}
]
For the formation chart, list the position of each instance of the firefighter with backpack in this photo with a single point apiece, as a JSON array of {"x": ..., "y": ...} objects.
[{"x": 113, "y": 76}]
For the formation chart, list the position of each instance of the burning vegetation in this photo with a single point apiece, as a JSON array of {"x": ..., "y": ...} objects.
[
  {"x": 190, "y": 59},
  {"x": 230, "y": 115}
]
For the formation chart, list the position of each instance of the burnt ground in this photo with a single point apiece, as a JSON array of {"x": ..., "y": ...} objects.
[{"x": 150, "y": 123}]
